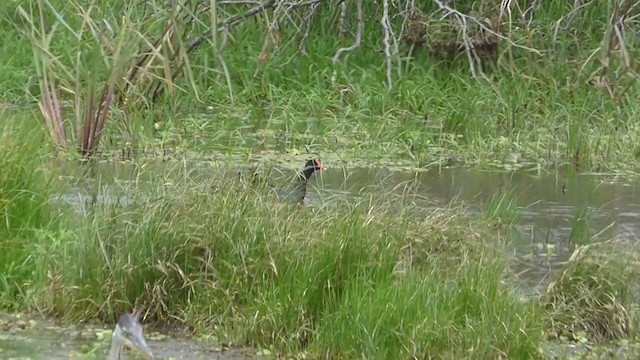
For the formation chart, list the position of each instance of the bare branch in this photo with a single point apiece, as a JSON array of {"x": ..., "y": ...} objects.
[
  {"x": 342, "y": 26},
  {"x": 356, "y": 44},
  {"x": 527, "y": 15},
  {"x": 221, "y": 65},
  {"x": 273, "y": 25},
  {"x": 386, "y": 26}
]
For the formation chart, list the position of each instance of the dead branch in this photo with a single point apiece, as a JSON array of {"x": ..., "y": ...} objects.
[
  {"x": 527, "y": 15},
  {"x": 270, "y": 37},
  {"x": 221, "y": 65},
  {"x": 356, "y": 44},
  {"x": 342, "y": 25},
  {"x": 386, "y": 26}
]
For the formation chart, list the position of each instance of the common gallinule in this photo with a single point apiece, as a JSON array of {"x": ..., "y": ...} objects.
[
  {"x": 129, "y": 332},
  {"x": 296, "y": 192}
]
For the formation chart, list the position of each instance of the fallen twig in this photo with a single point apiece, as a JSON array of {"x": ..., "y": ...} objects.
[{"x": 527, "y": 15}]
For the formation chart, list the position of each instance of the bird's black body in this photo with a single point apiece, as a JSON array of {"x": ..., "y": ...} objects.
[{"x": 297, "y": 191}]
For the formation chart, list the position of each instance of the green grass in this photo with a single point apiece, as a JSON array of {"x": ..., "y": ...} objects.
[
  {"x": 343, "y": 281},
  {"x": 362, "y": 281},
  {"x": 340, "y": 282},
  {"x": 502, "y": 208},
  {"x": 26, "y": 218},
  {"x": 533, "y": 110}
]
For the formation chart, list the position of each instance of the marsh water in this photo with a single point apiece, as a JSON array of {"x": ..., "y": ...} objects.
[{"x": 548, "y": 207}]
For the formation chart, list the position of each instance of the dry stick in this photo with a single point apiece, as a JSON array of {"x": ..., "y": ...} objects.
[
  {"x": 293, "y": 6},
  {"x": 467, "y": 48},
  {"x": 279, "y": 9},
  {"x": 302, "y": 48},
  {"x": 342, "y": 25},
  {"x": 396, "y": 49},
  {"x": 356, "y": 44},
  {"x": 223, "y": 26},
  {"x": 305, "y": 24},
  {"x": 144, "y": 58},
  {"x": 409, "y": 6},
  {"x": 386, "y": 26},
  {"x": 468, "y": 45},
  {"x": 507, "y": 7},
  {"x": 171, "y": 29}
]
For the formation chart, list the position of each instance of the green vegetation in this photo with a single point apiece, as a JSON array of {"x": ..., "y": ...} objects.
[
  {"x": 343, "y": 281},
  {"x": 570, "y": 101},
  {"x": 502, "y": 208}
]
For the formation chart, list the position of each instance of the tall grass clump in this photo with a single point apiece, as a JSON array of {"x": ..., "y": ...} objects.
[
  {"x": 100, "y": 59},
  {"x": 24, "y": 209},
  {"x": 502, "y": 208},
  {"x": 595, "y": 296},
  {"x": 339, "y": 282}
]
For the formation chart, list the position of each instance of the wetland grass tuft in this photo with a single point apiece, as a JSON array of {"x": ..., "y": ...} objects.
[
  {"x": 502, "y": 208},
  {"x": 595, "y": 296}
]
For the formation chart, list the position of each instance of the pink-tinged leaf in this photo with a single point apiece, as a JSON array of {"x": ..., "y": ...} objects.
[
  {"x": 107, "y": 99},
  {"x": 88, "y": 121},
  {"x": 51, "y": 110},
  {"x": 57, "y": 111}
]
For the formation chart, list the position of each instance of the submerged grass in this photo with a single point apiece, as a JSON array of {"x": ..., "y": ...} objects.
[{"x": 502, "y": 208}]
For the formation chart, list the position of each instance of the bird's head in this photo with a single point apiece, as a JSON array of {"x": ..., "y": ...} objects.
[
  {"x": 315, "y": 164},
  {"x": 129, "y": 331}
]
